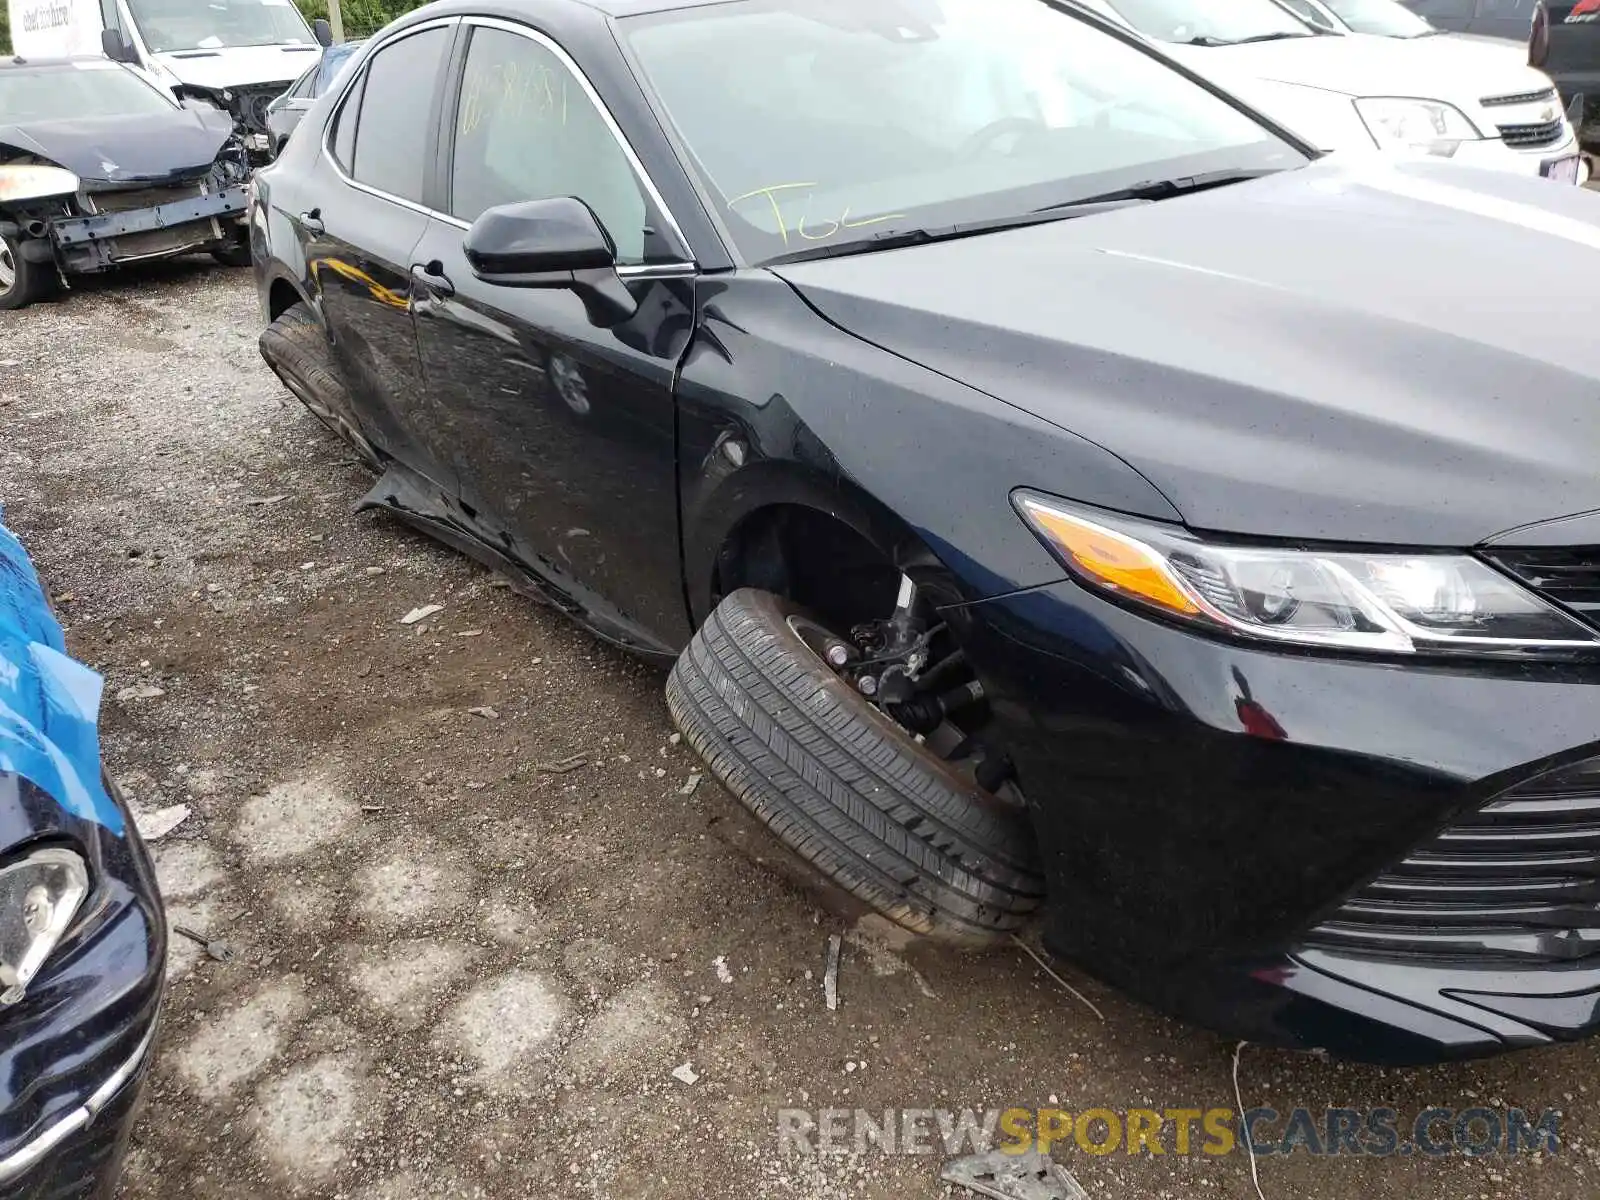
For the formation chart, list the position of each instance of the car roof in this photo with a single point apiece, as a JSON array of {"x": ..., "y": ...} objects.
[{"x": 634, "y": 8}]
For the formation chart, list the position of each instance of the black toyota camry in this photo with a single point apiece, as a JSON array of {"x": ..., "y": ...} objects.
[{"x": 1060, "y": 498}]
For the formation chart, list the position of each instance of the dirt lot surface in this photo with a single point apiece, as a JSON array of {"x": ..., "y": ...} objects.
[{"x": 459, "y": 974}]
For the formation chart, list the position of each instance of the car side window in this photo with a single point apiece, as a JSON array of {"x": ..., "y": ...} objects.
[
  {"x": 527, "y": 130},
  {"x": 343, "y": 142},
  {"x": 301, "y": 88},
  {"x": 391, "y": 129}
]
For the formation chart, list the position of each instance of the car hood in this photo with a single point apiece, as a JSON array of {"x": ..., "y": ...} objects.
[
  {"x": 1391, "y": 351},
  {"x": 151, "y": 146},
  {"x": 239, "y": 66},
  {"x": 1433, "y": 68}
]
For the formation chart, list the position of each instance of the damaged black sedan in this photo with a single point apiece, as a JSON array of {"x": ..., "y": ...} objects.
[
  {"x": 100, "y": 167},
  {"x": 1059, "y": 492}
]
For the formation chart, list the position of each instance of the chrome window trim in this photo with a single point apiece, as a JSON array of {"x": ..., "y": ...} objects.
[
  {"x": 359, "y": 76},
  {"x": 669, "y": 270}
]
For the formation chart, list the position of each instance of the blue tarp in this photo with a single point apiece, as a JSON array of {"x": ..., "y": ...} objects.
[{"x": 49, "y": 704}]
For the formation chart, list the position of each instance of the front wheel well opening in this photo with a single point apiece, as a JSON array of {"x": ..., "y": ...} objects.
[
  {"x": 812, "y": 558},
  {"x": 281, "y": 298},
  {"x": 851, "y": 583}
]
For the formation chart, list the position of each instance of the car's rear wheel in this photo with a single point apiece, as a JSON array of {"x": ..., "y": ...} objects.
[
  {"x": 21, "y": 282},
  {"x": 296, "y": 348},
  {"x": 857, "y": 796}
]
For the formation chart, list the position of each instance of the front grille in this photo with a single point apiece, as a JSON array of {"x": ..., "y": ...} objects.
[
  {"x": 134, "y": 199},
  {"x": 1545, "y": 133},
  {"x": 1547, "y": 96},
  {"x": 1518, "y": 878},
  {"x": 1569, "y": 575}
]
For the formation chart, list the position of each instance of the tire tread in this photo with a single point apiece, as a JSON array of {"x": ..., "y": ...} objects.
[{"x": 843, "y": 787}]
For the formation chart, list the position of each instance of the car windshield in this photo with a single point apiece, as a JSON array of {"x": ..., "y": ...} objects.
[
  {"x": 1212, "y": 22},
  {"x": 824, "y": 122},
  {"x": 1384, "y": 18},
  {"x": 72, "y": 93},
  {"x": 175, "y": 25}
]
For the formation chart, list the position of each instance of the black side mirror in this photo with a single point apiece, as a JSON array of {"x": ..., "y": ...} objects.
[
  {"x": 116, "y": 47},
  {"x": 556, "y": 243},
  {"x": 322, "y": 31}
]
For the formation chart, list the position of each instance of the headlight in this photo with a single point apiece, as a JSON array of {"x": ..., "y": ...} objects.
[
  {"x": 39, "y": 896},
  {"x": 31, "y": 181},
  {"x": 1423, "y": 126},
  {"x": 1388, "y": 603}
]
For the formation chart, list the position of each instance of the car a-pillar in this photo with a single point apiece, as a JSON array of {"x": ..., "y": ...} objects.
[{"x": 830, "y": 695}]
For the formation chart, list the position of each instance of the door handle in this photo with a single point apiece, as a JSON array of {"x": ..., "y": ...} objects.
[
  {"x": 431, "y": 276},
  {"x": 311, "y": 222}
]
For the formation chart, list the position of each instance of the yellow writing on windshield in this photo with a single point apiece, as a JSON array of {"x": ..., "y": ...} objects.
[
  {"x": 511, "y": 89},
  {"x": 771, "y": 195}
]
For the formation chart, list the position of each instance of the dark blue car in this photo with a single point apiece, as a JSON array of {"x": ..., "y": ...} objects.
[{"x": 82, "y": 934}]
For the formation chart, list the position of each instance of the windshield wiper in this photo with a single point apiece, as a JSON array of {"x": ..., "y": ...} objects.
[
  {"x": 1164, "y": 189},
  {"x": 1276, "y": 36},
  {"x": 1206, "y": 39},
  {"x": 901, "y": 238}
]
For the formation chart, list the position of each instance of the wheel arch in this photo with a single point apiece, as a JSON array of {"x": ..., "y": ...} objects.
[
  {"x": 282, "y": 295},
  {"x": 779, "y": 526}
]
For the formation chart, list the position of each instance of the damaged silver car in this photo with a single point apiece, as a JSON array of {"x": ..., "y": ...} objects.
[{"x": 99, "y": 167}]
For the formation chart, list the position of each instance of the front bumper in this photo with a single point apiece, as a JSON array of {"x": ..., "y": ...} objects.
[
  {"x": 1204, "y": 806},
  {"x": 1494, "y": 155},
  {"x": 74, "y": 1051},
  {"x": 90, "y": 243},
  {"x": 79, "y": 1157}
]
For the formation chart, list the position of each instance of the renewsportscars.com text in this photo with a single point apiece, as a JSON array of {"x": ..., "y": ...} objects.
[{"x": 1372, "y": 1132}]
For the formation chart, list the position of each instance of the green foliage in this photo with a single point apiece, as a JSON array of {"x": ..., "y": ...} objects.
[
  {"x": 5, "y": 29},
  {"x": 362, "y": 18}
]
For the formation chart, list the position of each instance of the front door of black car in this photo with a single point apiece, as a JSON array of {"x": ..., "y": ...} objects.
[
  {"x": 361, "y": 238},
  {"x": 561, "y": 428}
]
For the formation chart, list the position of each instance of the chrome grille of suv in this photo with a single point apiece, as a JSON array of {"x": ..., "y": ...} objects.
[
  {"x": 1548, "y": 96},
  {"x": 1518, "y": 878},
  {"x": 1545, "y": 133},
  {"x": 1569, "y": 575}
]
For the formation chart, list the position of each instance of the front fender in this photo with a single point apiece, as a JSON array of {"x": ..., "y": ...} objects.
[{"x": 776, "y": 405}]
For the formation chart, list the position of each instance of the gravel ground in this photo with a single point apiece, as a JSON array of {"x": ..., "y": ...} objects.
[{"x": 459, "y": 974}]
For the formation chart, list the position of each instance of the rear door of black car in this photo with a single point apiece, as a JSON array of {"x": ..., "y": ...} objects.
[
  {"x": 360, "y": 237},
  {"x": 561, "y": 430}
]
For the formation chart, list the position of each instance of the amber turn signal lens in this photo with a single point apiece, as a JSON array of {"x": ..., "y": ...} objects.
[{"x": 1109, "y": 558}]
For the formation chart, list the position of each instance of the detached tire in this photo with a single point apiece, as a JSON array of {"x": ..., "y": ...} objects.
[
  {"x": 296, "y": 348},
  {"x": 843, "y": 786}
]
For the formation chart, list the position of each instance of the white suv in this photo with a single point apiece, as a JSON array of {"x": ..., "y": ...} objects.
[{"x": 1473, "y": 102}]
